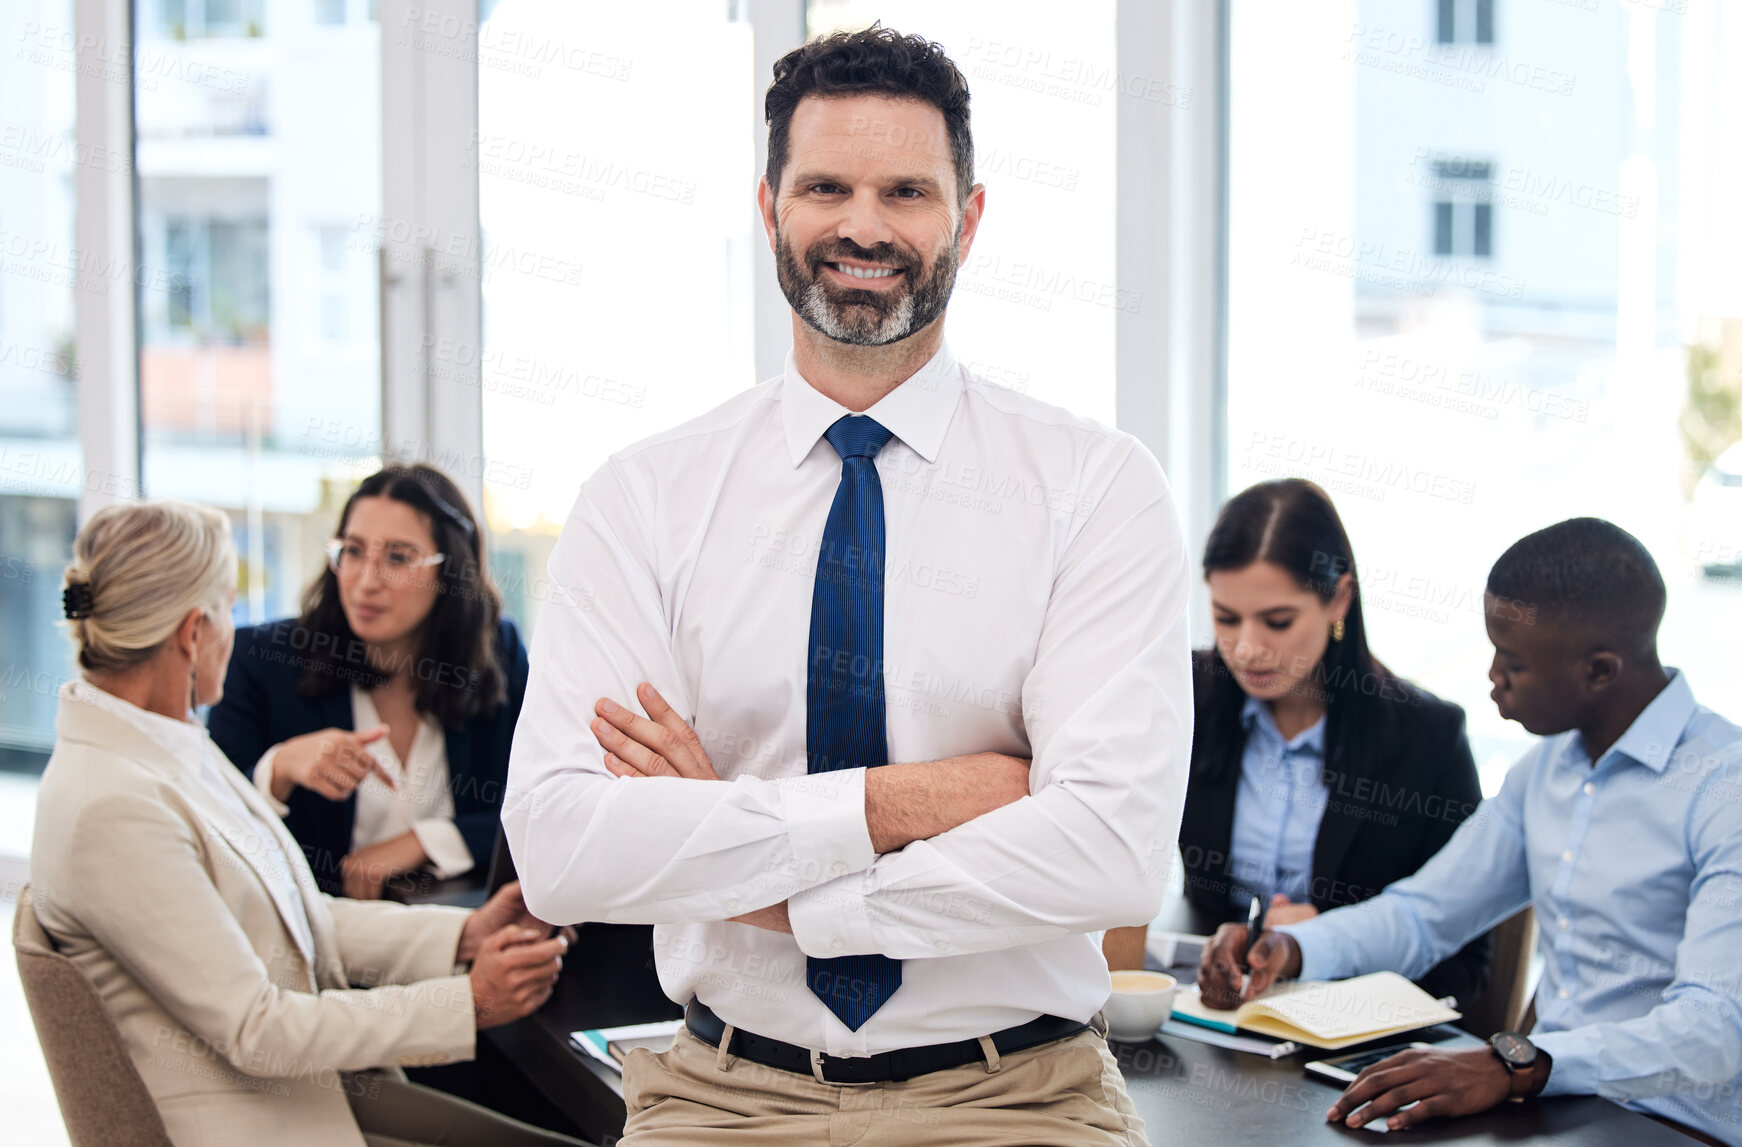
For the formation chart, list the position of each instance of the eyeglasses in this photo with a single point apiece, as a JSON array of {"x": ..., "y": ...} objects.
[{"x": 345, "y": 558}]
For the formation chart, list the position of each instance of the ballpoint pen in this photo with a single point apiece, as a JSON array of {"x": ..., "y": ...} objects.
[{"x": 1254, "y": 927}]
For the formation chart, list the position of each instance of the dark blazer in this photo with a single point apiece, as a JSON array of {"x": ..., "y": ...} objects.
[
  {"x": 1395, "y": 799},
  {"x": 262, "y": 707}
]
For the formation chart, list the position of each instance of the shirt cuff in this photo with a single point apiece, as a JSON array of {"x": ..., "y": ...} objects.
[
  {"x": 445, "y": 847},
  {"x": 1575, "y": 1063},
  {"x": 825, "y": 813},
  {"x": 833, "y": 919},
  {"x": 1316, "y": 962},
  {"x": 825, "y": 821},
  {"x": 263, "y": 781}
]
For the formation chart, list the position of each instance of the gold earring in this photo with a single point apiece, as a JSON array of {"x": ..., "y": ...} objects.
[{"x": 1337, "y": 630}]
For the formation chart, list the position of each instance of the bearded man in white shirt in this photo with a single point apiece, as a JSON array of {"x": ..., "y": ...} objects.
[{"x": 929, "y": 637}]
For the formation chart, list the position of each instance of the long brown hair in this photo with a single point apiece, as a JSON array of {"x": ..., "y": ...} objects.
[{"x": 458, "y": 671}]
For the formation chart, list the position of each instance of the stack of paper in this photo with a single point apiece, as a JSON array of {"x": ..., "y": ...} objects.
[
  {"x": 611, "y": 1046},
  {"x": 1325, "y": 1013}
]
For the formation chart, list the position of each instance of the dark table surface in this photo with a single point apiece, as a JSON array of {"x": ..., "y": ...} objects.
[
  {"x": 1187, "y": 1092},
  {"x": 1190, "y": 1092}
]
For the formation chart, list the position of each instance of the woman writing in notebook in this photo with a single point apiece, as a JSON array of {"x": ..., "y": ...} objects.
[
  {"x": 1318, "y": 776},
  {"x": 378, "y": 723}
]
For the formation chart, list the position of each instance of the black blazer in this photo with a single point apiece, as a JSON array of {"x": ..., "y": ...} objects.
[
  {"x": 1394, "y": 801},
  {"x": 261, "y": 707}
]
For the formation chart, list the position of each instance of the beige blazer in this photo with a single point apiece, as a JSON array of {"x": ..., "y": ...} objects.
[{"x": 146, "y": 880}]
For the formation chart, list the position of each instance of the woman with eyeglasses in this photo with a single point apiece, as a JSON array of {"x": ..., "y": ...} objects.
[
  {"x": 378, "y": 723},
  {"x": 254, "y": 1009}
]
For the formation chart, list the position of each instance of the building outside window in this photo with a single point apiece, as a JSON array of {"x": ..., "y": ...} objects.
[
  {"x": 1480, "y": 316},
  {"x": 1464, "y": 21},
  {"x": 1463, "y": 211}
]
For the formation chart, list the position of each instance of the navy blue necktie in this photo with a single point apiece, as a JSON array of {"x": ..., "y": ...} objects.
[{"x": 844, "y": 683}]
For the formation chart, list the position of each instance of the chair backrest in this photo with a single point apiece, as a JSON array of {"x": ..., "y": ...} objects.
[
  {"x": 103, "y": 1101},
  {"x": 1501, "y": 1005}
]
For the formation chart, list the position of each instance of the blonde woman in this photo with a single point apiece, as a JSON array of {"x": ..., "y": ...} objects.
[{"x": 161, "y": 872}]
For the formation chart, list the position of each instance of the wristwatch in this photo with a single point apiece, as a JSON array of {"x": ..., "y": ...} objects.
[{"x": 1523, "y": 1059}]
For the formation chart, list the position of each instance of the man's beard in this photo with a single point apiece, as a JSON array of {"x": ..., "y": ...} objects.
[{"x": 863, "y": 317}]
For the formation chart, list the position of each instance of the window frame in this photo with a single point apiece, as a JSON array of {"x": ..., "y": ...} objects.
[{"x": 1171, "y": 230}]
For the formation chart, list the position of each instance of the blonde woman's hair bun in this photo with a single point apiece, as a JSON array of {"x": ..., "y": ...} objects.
[{"x": 138, "y": 569}]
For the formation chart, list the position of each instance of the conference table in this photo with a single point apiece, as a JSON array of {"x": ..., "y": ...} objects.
[{"x": 1186, "y": 1091}]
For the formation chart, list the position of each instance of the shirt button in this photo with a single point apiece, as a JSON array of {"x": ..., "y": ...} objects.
[
  {"x": 1567, "y": 856},
  {"x": 943, "y": 945},
  {"x": 1590, "y": 789},
  {"x": 731, "y": 905},
  {"x": 1566, "y": 993},
  {"x": 838, "y": 867},
  {"x": 836, "y": 945},
  {"x": 1565, "y": 923}
]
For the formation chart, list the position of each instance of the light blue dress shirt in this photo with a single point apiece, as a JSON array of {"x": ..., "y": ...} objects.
[
  {"x": 1635, "y": 869},
  {"x": 1277, "y": 809}
]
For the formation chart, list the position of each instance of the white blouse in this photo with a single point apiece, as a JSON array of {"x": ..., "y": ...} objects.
[{"x": 422, "y": 804}]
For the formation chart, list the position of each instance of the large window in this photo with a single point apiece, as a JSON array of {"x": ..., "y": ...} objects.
[
  {"x": 594, "y": 151},
  {"x": 1468, "y": 312},
  {"x": 617, "y": 207},
  {"x": 41, "y": 471},
  {"x": 259, "y": 155}
]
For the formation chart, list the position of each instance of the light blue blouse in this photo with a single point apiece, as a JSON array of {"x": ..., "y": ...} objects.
[{"x": 1277, "y": 809}]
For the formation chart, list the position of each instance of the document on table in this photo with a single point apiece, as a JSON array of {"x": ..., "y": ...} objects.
[
  {"x": 1256, "y": 1045},
  {"x": 610, "y": 1046},
  {"x": 1324, "y": 1013}
]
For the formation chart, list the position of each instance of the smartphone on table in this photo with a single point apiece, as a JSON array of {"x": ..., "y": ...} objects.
[{"x": 1344, "y": 1068}]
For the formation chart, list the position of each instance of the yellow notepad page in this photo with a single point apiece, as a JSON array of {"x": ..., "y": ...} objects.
[{"x": 1327, "y": 1013}]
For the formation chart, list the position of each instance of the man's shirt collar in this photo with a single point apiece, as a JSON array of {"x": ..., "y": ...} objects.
[
  {"x": 1654, "y": 734},
  {"x": 918, "y": 411}
]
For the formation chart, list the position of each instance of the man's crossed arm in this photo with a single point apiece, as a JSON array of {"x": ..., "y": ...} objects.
[{"x": 903, "y": 802}]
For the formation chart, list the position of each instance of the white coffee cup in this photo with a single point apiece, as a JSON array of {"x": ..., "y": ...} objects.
[{"x": 1138, "y": 1005}]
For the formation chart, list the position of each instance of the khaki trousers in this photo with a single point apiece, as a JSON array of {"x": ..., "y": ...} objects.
[{"x": 1068, "y": 1093}]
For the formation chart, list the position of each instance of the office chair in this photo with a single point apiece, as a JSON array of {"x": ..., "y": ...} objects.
[
  {"x": 1501, "y": 1006},
  {"x": 103, "y": 1101}
]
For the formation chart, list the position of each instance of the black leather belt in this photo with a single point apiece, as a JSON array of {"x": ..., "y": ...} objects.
[{"x": 884, "y": 1067}]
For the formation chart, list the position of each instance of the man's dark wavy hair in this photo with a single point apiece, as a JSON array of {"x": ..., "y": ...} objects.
[
  {"x": 458, "y": 672},
  {"x": 875, "y": 61}
]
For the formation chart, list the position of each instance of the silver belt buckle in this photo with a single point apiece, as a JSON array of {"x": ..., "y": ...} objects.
[{"x": 817, "y": 1073}]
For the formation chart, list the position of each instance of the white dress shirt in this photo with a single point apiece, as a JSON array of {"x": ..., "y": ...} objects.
[
  {"x": 1035, "y": 605},
  {"x": 190, "y": 744},
  {"x": 422, "y": 804}
]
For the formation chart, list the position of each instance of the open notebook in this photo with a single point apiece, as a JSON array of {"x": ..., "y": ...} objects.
[{"x": 1325, "y": 1013}]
